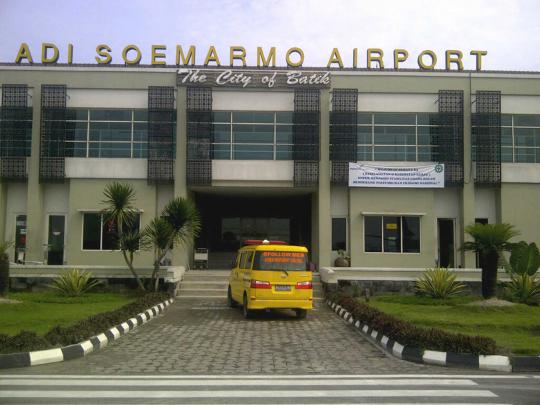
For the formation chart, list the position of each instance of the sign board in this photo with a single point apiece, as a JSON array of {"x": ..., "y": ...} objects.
[
  {"x": 253, "y": 79},
  {"x": 378, "y": 175}
]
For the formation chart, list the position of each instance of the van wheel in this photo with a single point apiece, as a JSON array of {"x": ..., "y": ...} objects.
[
  {"x": 230, "y": 302},
  {"x": 301, "y": 313},
  {"x": 247, "y": 312}
]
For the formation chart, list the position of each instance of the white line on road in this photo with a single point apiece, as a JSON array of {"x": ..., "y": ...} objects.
[
  {"x": 247, "y": 394},
  {"x": 165, "y": 381},
  {"x": 273, "y": 376}
]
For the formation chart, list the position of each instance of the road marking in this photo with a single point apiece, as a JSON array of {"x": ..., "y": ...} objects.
[
  {"x": 165, "y": 381},
  {"x": 247, "y": 394},
  {"x": 274, "y": 376}
]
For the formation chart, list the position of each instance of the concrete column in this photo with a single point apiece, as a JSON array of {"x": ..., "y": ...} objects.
[
  {"x": 324, "y": 203},
  {"x": 35, "y": 220},
  {"x": 467, "y": 259}
]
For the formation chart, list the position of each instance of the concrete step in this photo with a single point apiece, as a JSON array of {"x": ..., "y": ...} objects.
[{"x": 203, "y": 284}]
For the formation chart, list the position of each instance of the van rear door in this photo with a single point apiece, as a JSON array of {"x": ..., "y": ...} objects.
[{"x": 285, "y": 271}]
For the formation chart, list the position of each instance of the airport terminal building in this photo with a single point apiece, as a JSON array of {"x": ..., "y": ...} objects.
[{"x": 388, "y": 165}]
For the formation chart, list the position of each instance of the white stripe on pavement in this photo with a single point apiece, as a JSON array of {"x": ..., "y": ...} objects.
[
  {"x": 275, "y": 376},
  {"x": 247, "y": 394},
  {"x": 166, "y": 381}
]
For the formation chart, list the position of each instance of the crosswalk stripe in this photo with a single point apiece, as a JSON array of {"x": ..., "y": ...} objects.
[
  {"x": 234, "y": 382},
  {"x": 246, "y": 394}
]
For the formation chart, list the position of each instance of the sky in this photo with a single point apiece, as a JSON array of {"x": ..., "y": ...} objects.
[{"x": 508, "y": 30}]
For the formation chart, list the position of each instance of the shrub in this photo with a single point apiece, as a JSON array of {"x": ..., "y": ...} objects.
[
  {"x": 523, "y": 288},
  {"x": 525, "y": 258},
  {"x": 411, "y": 335},
  {"x": 74, "y": 283},
  {"x": 439, "y": 282},
  {"x": 24, "y": 341}
]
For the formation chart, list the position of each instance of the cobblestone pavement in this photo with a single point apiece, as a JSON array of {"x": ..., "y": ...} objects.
[{"x": 207, "y": 337}]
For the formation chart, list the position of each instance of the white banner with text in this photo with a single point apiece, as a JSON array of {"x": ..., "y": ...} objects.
[{"x": 378, "y": 175}]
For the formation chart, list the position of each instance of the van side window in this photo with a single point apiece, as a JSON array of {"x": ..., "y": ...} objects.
[
  {"x": 249, "y": 259},
  {"x": 243, "y": 260},
  {"x": 237, "y": 260}
]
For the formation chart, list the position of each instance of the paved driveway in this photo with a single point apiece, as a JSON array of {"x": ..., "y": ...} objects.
[{"x": 206, "y": 337}]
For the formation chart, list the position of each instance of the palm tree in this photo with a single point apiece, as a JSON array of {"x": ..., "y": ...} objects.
[
  {"x": 489, "y": 241},
  {"x": 119, "y": 200},
  {"x": 178, "y": 225}
]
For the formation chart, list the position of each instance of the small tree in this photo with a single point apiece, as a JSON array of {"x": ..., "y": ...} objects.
[
  {"x": 4, "y": 268},
  {"x": 178, "y": 225},
  {"x": 119, "y": 199},
  {"x": 489, "y": 241}
]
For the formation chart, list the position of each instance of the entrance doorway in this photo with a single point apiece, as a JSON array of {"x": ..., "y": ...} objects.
[
  {"x": 55, "y": 241},
  {"x": 229, "y": 220},
  {"x": 445, "y": 230}
]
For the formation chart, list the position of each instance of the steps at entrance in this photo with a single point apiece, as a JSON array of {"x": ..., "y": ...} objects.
[{"x": 214, "y": 283}]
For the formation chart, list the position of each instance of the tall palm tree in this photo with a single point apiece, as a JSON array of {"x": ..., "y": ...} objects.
[
  {"x": 119, "y": 202},
  {"x": 490, "y": 240},
  {"x": 178, "y": 225}
]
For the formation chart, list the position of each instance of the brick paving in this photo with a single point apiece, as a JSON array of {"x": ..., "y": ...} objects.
[{"x": 206, "y": 337}]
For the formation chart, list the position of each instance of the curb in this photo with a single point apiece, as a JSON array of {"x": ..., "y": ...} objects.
[
  {"x": 27, "y": 359},
  {"x": 444, "y": 359}
]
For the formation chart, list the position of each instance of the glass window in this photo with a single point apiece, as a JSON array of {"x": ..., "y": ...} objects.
[
  {"x": 222, "y": 133},
  {"x": 506, "y": 120},
  {"x": 109, "y": 150},
  {"x": 411, "y": 234},
  {"x": 364, "y": 118},
  {"x": 506, "y": 136},
  {"x": 140, "y": 115},
  {"x": 427, "y": 118},
  {"x": 339, "y": 234},
  {"x": 222, "y": 116},
  {"x": 395, "y": 153},
  {"x": 364, "y": 135},
  {"x": 253, "y": 117},
  {"x": 395, "y": 118},
  {"x": 365, "y": 153},
  {"x": 284, "y": 152},
  {"x": 385, "y": 135},
  {"x": 392, "y": 234},
  {"x": 99, "y": 234},
  {"x": 140, "y": 132},
  {"x": 274, "y": 260},
  {"x": 247, "y": 133},
  {"x": 284, "y": 134},
  {"x": 253, "y": 152},
  {"x": 284, "y": 117},
  {"x": 91, "y": 231},
  {"x": 110, "y": 115},
  {"x": 222, "y": 151},
  {"x": 373, "y": 234},
  {"x": 527, "y": 120},
  {"x": 110, "y": 131}
]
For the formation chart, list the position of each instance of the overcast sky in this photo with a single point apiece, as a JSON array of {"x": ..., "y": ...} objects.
[{"x": 508, "y": 30}]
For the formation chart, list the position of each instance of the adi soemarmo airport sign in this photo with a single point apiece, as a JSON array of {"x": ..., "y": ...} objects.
[{"x": 293, "y": 57}]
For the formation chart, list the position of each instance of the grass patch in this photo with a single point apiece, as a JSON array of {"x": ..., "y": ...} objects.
[
  {"x": 39, "y": 312},
  {"x": 515, "y": 328}
]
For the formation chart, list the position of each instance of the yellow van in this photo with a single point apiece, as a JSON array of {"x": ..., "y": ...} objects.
[{"x": 271, "y": 275}]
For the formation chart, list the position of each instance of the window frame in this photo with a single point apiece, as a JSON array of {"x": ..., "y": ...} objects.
[
  {"x": 139, "y": 213},
  {"x": 400, "y": 216}
]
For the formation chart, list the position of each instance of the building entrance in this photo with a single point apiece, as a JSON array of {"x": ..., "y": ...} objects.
[{"x": 227, "y": 221}]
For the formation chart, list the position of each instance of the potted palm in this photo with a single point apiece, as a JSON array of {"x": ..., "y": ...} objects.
[
  {"x": 343, "y": 260},
  {"x": 4, "y": 268}
]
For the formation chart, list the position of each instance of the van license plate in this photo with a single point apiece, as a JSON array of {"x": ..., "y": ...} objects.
[{"x": 283, "y": 288}]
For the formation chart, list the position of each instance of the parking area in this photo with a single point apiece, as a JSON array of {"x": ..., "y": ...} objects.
[{"x": 197, "y": 336}]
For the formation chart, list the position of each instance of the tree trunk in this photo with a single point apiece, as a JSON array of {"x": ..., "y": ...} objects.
[
  {"x": 133, "y": 272},
  {"x": 155, "y": 279},
  {"x": 4, "y": 275},
  {"x": 489, "y": 274}
]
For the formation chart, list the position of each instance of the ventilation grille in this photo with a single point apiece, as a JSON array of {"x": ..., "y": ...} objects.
[
  {"x": 161, "y": 125},
  {"x": 306, "y": 128},
  {"x": 343, "y": 132},
  {"x": 199, "y": 136},
  {"x": 487, "y": 137},
  {"x": 15, "y": 132},
  {"x": 449, "y": 135},
  {"x": 53, "y": 133}
]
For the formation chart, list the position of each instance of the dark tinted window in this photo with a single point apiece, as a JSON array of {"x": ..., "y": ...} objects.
[
  {"x": 373, "y": 234},
  {"x": 91, "y": 231},
  {"x": 275, "y": 260},
  {"x": 339, "y": 234}
]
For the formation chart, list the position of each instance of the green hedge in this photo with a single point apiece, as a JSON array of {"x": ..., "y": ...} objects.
[
  {"x": 62, "y": 336},
  {"x": 408, "y": 334}
]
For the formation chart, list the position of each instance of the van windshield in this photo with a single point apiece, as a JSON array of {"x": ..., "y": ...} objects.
[{"x": 276, "y": 260}]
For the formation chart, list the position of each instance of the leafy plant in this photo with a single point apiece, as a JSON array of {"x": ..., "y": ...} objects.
[
  {"x": 524, "y": 258},
  {"x": 440, "y": 283},
  {"x": 4, "y": 268},
  {"x": 74, "y": 283},
  {"x": 489, "y": 240},
  {"x": 179, "y": 224},
  {"x": 523, "y": 288},
  {"x": 119, "y": 200}
]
